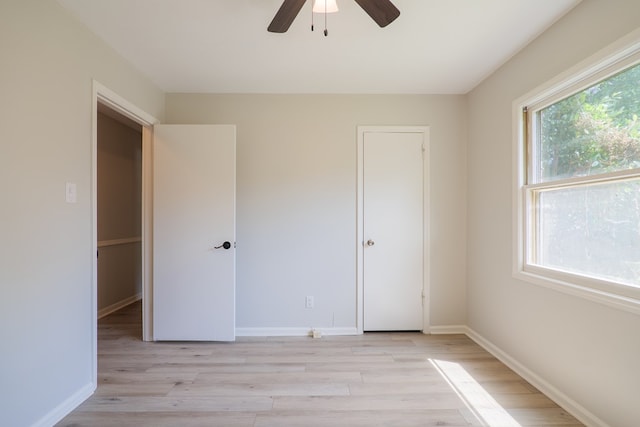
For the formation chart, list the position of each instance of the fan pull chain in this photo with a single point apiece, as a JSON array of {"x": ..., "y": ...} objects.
[{"x": 326, "y": 32}]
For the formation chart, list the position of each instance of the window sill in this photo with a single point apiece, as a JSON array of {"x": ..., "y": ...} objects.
[{"x": 583, "y": 287}]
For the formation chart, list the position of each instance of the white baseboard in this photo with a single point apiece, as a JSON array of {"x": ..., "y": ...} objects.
[
  {"x": 117, "y": 306},
  {"x": 292, "y": 332},
  {"x": 65, "y": 408},
  {"x": 570, "y": 405},
  {"x": 446, "y": 330}
]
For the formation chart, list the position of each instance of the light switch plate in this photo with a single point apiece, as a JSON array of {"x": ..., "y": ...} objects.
[{"x": 71, "y": 192}]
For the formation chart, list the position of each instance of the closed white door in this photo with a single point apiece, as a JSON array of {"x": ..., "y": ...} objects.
[
  {"x": 194, "y": 232},
  {"x": 393, "y": 224}
]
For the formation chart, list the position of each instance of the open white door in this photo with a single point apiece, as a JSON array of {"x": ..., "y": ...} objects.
[{"x": 194, "y": 180}]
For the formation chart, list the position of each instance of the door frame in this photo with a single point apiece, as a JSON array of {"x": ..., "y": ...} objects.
[
  {"x": 105, "y": 96},
  {"x": 361, "y": 130}
]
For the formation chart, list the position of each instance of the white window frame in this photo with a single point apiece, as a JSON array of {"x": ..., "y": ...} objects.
[{"x": 621, "y": 54}]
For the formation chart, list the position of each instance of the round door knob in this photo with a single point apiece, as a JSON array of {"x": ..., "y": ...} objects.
[{"x": 370, "y": 242}]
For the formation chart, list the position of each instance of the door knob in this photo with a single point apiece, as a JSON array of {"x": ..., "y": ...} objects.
[
  {"x": 225, "y": 245},
  {"x": 370, "y": 242}
]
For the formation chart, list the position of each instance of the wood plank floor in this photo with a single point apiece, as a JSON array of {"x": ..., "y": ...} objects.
[{"x": 376, "y": 379}]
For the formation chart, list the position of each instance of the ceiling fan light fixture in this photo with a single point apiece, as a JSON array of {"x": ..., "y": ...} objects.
[
  {"x": 383, "y": 12},
  {"x": 325, "y": 6}
]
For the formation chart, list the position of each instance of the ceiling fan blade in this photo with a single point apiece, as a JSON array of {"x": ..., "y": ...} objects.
[
  {"x": 285, "y": 15},
  {"x": 381, "y": 11}
]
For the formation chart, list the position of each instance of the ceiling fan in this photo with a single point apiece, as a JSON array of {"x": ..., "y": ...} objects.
[{"x": 383, "y": 12}]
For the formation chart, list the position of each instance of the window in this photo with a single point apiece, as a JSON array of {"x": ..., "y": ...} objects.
[{"x": 579, "y": 184}]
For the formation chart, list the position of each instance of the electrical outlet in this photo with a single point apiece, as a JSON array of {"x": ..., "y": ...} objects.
[{"x": 308, "y": 302}]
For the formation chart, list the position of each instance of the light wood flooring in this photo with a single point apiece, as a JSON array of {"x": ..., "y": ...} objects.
[{"x": 376, "y": 379}]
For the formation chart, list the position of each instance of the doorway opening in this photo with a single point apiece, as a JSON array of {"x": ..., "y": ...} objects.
[
  {"x": 107, "y": 102},
  {"x": 119, "y": 211}
]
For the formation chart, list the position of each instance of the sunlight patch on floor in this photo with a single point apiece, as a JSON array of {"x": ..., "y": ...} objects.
[{"x": 478, "y": 400}]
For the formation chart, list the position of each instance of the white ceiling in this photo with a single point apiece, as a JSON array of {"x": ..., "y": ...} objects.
[{"x": 222, "y": 46}]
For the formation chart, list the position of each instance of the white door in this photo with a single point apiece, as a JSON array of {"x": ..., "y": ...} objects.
[
  {"x": 193, "y": 216},
  {"x": 393, "y": 234}
]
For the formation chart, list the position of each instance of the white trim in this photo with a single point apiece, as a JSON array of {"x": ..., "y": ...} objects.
[
  {"x": 448, "y": 330},
  {"x": 117, "y": 242},
  {"x": 65, "y": 408},
  {"x": 572, "y": 287},
  {"x": 292, "y": 332},
  {"x": 117, "y": 103},
  {"x": 118, "y": 305},
  {"x": 94, "y": 234},
  {"x": 603, "y": 178},
  {"x": 570, "y": 405},
  {"x": 361, "y": 130},
  {"x": 147, "y": 233},
  {"x": 624, "y": 51},
  {"x": 105, "y": 96}
]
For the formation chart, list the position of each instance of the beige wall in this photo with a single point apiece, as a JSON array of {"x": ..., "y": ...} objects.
[
  {"x": 46, "y": 253},
  {"x": 296, "y": 207},
  {"x": 586, "y": 351},
  {"x": 119, "y": 211},
  {"x": 296, "y": 211}
]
